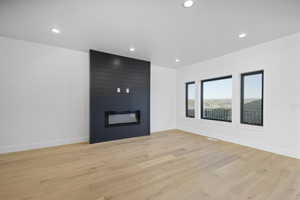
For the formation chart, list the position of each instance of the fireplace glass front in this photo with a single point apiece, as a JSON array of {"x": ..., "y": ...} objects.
[{"x": 123, "y": 118}]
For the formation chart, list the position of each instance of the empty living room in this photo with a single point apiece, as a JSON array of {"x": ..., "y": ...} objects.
[{"x": 149, "y": 100}]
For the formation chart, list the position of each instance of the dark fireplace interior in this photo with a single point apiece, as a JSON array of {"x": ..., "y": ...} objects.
[
  {"x": 119, "y": 97},
  {"x": 125, "y": 118}
]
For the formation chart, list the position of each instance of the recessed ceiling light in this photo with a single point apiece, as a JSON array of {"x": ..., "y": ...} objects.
[
  {"x": 132, "y": 49},
  {"x": 188, "y": 3},
  {"x": 177, "y": 60},
  {"x": 55, "y": 30},
  {"x": 242, "y": 35}
]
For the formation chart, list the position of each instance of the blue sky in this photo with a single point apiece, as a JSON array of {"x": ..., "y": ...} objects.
[
  {"x": 192, "y": 87},
  {"x": 222, "y": 89},
  {"x": 253, "y": 86}
]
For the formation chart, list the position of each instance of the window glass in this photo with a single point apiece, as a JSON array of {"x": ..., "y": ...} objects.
[
  {"x": 217, "y": 99},
  {"x": 190, "y": 99},
  {"x": 252, "y": 98}
]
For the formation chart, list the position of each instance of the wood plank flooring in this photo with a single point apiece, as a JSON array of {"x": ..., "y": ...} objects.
[{"x": 169, "y": 165}]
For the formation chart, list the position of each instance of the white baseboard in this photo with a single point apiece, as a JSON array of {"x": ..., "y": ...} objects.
[
  {"x": 163, "y": 130},
  {"x": 24, "y": 147},
  {"x": 58, "y": 142},
  {"x": 53, "y": 143},
  {"x": 275, "y": 150}
]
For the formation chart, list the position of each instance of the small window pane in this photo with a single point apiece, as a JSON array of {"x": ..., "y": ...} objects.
[
  {"x": 217, "y": 99},
  {"x": 190, "y": 99},
  {"x": 252, "y": 98}
]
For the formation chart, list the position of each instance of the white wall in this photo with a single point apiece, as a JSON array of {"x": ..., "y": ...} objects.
[
  {"x": 281, "y": 61},
  {"x": 45, "y": 96},
  {"x": 163, "y": 98}
]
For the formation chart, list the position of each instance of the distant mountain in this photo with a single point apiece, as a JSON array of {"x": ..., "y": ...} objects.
[
  {"x": 250, "y": 104},
  {"x": 221, "y": 109},
  {"x": 253, "y": 105},
  {"x": 217, "y": 103},
  {"x": 191, "y": 103},
  {"x": 252, "y": 111}
]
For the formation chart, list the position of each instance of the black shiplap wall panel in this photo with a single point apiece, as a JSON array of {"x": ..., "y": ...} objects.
[{"x": 107, "y": 73}]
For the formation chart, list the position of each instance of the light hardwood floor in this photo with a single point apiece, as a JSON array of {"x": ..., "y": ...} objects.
[{"x": 164, "y": 166}]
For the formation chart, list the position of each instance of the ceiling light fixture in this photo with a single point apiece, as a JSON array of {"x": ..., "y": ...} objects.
[
  {"x": 177, "y": 60},
  {"x": 242, "y": 35},
  {"x": 55, "y": 30},
  {"x": 132, "y": 49},
  {"x": 188, "y": 3}
]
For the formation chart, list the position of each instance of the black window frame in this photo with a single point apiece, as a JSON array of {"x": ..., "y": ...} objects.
[
  {"x": 186, "y": 99},
  {"x": 243, "y": 75},
  {"x": 202, "y": 100}
]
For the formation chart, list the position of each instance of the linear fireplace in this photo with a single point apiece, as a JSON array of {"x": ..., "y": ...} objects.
[{"x": 124, "y": 118}]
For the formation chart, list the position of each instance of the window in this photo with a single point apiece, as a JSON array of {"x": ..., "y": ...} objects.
[
  {"x": 190, "y": 99},
  {"x": 252, "y": 87},
  {"x": 216, "y": 99}
]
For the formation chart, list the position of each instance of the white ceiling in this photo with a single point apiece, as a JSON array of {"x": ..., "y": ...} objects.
[{"x": 160, "y": 30}]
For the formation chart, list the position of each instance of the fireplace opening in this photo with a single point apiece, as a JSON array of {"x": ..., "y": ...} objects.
[{"x": 114, "y": 118}]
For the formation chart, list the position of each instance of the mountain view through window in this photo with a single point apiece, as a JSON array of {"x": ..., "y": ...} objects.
[
  {"x": 217, "y": 99},
  {"x": 190, "y": 98},
  {"x": 252, "y": 98}
]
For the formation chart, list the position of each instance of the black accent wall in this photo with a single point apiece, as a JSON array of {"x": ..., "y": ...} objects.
[{"x": 107, "y": 73}]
